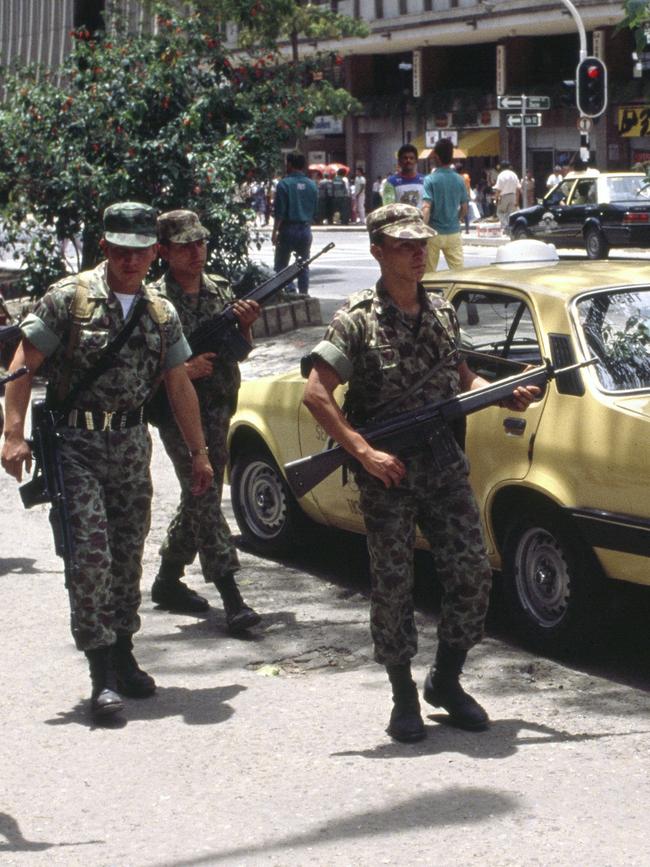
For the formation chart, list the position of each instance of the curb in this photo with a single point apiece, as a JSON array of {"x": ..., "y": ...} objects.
[{"x": 287, "y": 316}]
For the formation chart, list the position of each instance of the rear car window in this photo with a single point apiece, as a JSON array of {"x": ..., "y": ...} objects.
[{"x": 616, "y": 328}]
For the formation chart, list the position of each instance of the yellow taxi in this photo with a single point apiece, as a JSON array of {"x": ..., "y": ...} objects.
[{"x": 564, "y": 489}]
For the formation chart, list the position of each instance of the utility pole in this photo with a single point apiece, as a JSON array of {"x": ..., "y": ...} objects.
[{"x": 584, "y": 135}]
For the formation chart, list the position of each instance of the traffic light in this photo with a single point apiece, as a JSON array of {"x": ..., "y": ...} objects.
[{"x": 591, "y": 87}]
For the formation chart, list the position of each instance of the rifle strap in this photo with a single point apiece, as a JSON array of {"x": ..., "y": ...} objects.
[
  {"x": 81, "y": 312},
  {"x": 390, "y": 407},
  {"x": 105, "y": 361}
]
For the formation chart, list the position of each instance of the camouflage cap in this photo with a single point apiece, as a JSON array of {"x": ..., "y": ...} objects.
[
  {"x": 130, "y": 224},
  {"x": 398, "y": 221},
  {"x": 181, "y": 227}
]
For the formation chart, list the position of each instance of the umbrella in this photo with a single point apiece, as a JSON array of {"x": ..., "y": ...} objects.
[
  {"x": 334, "y": 167},
  {"x": 318, "y": 167}
]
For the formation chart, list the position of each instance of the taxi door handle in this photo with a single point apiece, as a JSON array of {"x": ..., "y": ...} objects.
[{"x": 514, "y": 427}]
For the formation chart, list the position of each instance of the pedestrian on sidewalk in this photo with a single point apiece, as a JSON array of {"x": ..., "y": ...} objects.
[
  {"x": 198, "y": 525},
  {"x": 360, "y": 196},
  {"x": 296, "y": 201},
  {"x": 507, "y": 190},
  {"x": 407, "y": 185},
  {"x": 104, "y": 443},
  {"x": 382, "y": 343},
  {"x": 445, "y": 205}
]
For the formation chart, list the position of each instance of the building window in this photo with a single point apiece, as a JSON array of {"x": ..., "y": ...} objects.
[
  {"x": 403, "y": 7},
  {"x": 379, "y": 8},
  {"x": 89, "y": 14},
  {"x": 357, "y": 9},
  {"x": 428, "y": 5}
]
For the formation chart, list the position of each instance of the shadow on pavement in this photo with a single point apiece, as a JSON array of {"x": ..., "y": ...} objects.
[
  {"x": 453, "y": 805},
  {"x": 196, "y": 706},
  {"x": 18, "y": 566},
  {"x": 16, "y": 842},
  {"x": 501, "y": 741}
]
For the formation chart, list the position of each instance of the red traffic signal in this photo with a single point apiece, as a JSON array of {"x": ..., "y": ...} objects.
[{"x": 591, "y": 87}]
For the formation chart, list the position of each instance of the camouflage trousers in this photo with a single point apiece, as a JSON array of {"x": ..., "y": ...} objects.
[
  {"x": 198, "y": 526},
  {"x": 108, "y": 492},
  {"x": 442, "y": 504}
]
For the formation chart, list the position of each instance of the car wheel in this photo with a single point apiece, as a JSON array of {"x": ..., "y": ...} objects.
[
  {"x": 595, "y": 244},
  {"x": 267, "y": 514},
  {"x": 520, "y": 232},
  {"x": 551, "y": 584}
]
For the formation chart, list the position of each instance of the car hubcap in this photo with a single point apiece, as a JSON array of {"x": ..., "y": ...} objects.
[
  {"x": 542, "y": 577},
  {"x": 263, "y": 499}
]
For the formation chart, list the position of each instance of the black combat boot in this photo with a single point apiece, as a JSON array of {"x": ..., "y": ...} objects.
[
  {"x": 239, "y": 616},
  {"x": 104, "y": 700},
  {"x": 405, "y": 722},
  {"x": 130, "y": 678},
  {"x": 170, "y": 593},
  {"x": 442, "y": 689}
]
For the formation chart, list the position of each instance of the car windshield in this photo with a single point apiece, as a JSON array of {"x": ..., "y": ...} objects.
[
  {"x": 616, "y": 328},
  {"x": 624, "y": 188}
]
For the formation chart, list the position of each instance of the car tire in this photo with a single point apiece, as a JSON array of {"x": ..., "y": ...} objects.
[
  {"x": 552, "y": 584},
  {"x": 268, "y": 516},
  {"x": 595, "y": 244},
  {"x": 520, "y": 232}
]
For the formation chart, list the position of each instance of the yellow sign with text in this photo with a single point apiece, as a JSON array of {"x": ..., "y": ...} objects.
[{"x": 634, "y": 120}]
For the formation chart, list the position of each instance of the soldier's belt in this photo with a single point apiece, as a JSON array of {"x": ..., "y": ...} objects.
[{"x": 93, "y": 419}]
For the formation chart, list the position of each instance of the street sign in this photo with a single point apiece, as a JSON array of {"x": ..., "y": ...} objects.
[
  {"x": 519, "y": 120},
  {"x": 538, "y": 103},
  {"x": 510, "y": 103},
  {"x": 534, "y": 103}
]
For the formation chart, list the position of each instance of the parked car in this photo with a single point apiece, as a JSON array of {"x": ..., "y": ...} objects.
[
  {"x": 562, "y": 488},
  {"x": 596, "y": 209}
]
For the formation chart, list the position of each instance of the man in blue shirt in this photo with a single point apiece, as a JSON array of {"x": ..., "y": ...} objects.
[
  {"x": 445, "y": 205},
  {"x": 296, "y": 199}
]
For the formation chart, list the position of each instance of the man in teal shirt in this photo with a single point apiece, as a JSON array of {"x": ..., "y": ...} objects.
[
  {"x": 296, "y": 199},
  {"x": 445, "y": 205}
]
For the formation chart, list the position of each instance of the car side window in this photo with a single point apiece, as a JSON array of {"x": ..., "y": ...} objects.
[
  {"x": 584, "y": 193},
  {"x": 500, "y": 326}
]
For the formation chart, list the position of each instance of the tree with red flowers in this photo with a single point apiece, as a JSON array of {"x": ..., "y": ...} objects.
[{"x": 173, "y": 119}]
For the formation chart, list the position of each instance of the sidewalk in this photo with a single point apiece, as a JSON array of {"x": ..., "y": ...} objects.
[{"x": 473, "y": 238}]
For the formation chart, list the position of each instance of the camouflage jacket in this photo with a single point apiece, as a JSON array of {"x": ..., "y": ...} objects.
[
  {"x": 215, "y": 294},
  {"x": 382, "y": 352},
  {"x": 152, "y": 346}
]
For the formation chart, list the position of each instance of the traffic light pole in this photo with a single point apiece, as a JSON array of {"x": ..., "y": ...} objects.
[{"x": 584, "y": 136}]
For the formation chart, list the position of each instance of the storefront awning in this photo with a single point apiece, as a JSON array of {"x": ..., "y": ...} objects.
[{"x": 480, "y": 143}]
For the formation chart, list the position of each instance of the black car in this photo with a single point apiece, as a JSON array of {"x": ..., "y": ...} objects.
[{"x": 597, "y": 209}]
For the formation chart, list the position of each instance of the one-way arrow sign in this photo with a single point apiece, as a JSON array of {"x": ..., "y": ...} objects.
[
  {"x": 534, "y": 103},
  {"x": 509, "y": 103},
  {"x": 519, "y": 120}
]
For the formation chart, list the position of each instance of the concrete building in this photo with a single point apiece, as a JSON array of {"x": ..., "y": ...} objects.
[{"x": 435, "y": 67}]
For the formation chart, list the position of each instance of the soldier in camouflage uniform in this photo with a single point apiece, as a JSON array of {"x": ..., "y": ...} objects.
[
  {"x": 200, "y": 527},
  {"x": 397, "y": 347},
  {"x": 104, "y": 443}
]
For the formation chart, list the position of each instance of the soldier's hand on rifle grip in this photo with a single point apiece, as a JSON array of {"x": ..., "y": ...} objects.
[
  {"x": 521, "y": 398},
  {"x": 15, "y": 453},
  {"x": 246, "y": 312},
  {"x": 386, "y": 467},
  {"x": 201, "y": 365},
  {"x": 202, "y": 473}
]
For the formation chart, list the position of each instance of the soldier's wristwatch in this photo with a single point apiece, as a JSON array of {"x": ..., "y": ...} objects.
[{"x": 202, "y": 451}]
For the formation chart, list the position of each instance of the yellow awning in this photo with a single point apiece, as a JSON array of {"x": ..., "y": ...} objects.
[{"x": 480, "y": 143}]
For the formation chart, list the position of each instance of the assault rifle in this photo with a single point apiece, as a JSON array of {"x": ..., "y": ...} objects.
[
  {"x": 426, "y": 425},
  {"x": 46, "y": 484},
  {"x": 221, "y": 334}
]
